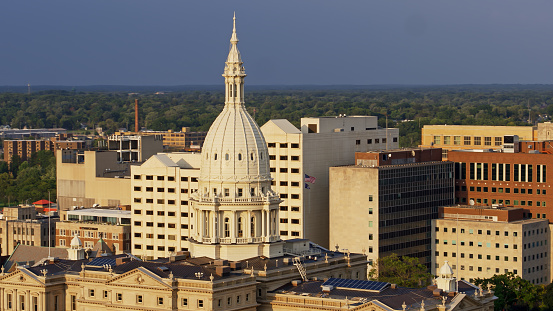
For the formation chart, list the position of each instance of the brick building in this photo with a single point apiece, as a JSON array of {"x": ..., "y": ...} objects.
[
  {"x": 486, "y": 177},
  {"x": 113, "y": 226},
  {"x": 25, "y": 148}
]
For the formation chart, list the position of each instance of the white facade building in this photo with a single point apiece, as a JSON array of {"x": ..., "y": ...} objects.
[{"x": 320, "y": 144}]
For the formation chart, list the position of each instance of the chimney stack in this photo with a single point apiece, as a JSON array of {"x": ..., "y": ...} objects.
[{"x": 136, "y": 115}]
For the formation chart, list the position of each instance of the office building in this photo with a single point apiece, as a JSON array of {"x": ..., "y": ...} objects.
[
  {"x": 161, "y": 211},
  {"x": 487, "y": 177},
  {"x": 385, "y": 203},
  {"x": 22, "y": 225},
  {"x": 297, "y": 155},
  {"x": 483, "y": 241}
]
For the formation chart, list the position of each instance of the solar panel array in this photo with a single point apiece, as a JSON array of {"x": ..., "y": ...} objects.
[
  {"x": 357, "y": 284},
  {"x": 102, "y": 261}
]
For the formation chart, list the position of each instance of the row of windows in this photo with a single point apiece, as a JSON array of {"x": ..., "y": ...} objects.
[
  {"x": 488, "y": 257},
  {"x": 376, "y": 141},
  {"x": 284, "y": 158},
  {"x": 501, "y": 171},
  {"x": 497, "y": 232},
  {"x": 293, "y": 196},
  {"x": 506, "y": 202},
  {"x": 140, "y": 298},
  {"x": 477, "y": 140},
  {"x": 285, "y": 170},
  {"x": 292, "y": 233},
  {"x": 283, "y": 145},
  {"x": 159, "y": 248},
  {"x": 159, "y": 224},
  {"x": 161, "y": 177},
  {"x": 501, "y": 190},
  {"x": 293, "y": 208},
  {"x": 462, "y": 243},
  {"x": 293, "y": 221},
  {"x": 159, "y": 201},
  {"x": 162, "y": 213}
]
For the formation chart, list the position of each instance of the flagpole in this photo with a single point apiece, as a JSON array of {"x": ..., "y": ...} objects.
[{"x": 49, "y": 226}]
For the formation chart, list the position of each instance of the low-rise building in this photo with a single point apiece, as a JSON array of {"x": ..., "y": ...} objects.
[
  {"x": 483, "y": 241},
  {"x": 460, "y": 137},
  {"x": 22, "y": 225},
  {"x": 385, "y": 204},
  {"x": 25, "y": 148},
  {"x": 113, "y": 226}
]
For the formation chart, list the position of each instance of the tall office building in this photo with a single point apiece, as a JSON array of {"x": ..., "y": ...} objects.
[
  {"x": 299, "y": 163},
  {"x": 386, "y": 202}
]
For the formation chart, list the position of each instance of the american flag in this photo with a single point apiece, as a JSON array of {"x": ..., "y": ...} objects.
[
  {"x": 307, "y": 186},
  {"x": 310, "y": 179}
]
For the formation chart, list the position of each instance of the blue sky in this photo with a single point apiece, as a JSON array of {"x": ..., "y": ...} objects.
[{"x": 316, "y": 42}]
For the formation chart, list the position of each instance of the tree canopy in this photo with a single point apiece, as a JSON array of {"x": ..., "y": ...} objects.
[
  {"x": 513, "y": 292},
  {"x": 404, "y": 271},
  {"x": 406, "y": 108},
  {"x": 28, "y": 181}
]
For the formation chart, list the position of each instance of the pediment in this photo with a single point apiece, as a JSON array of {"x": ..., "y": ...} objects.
[
  {"x": 139, "y": 277},
  {"x": 22, "y": 277}
]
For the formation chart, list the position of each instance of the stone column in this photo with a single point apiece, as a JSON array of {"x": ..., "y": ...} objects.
[
  {"x": 249, "y": 224},
  {"x": 233, "y": 227}
]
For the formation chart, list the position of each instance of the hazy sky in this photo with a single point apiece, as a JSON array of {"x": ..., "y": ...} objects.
[{"x": 181, "y": 42}]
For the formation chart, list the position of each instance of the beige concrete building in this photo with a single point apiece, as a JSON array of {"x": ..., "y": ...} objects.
[
  {"x": 459, "y": 137},
  {"x": 91, "y": 177},
  {"x": 135, "y": 148},
  {"x": 21, "y": 225},
  {"x": 296, "y": 155},
  {"x": 385, "y": 203},
  {"x": 161, "y": 212},
  {"x": 483, "y": 241}
]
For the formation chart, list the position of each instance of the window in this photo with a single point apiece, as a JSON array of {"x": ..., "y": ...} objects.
[
  {"x": 295, "y": 233},
  {"x": 466, "y": 140},
  {"x": 498, "y": 141},
  {"x": 456, "y": 140},
  {"x": 91, "y": 292},
  {"x": 369, "y": 141},
  {"x": 295, "y": 145},
  {"x": 184, "y": 301},
  {"x": 139, "y": 299},
  {"x": 285, "y": 145},
  {"x": 358, "y": 142},
  {"x": 160, "y": 301},
  {"x": 136, "y": 176},
  {"x": 487, "y": 141},
  {"x": 200, "y": 303},
  {"x": 73, "y": 302},
  {"x": 149, "y": 177}
]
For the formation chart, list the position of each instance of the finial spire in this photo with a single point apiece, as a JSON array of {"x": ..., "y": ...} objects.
[{"x": 234, "y": 38}]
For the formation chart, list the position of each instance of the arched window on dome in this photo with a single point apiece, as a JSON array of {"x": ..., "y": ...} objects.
[
  {"x": 251, "y": 156},
  {"x": 226, "y": 156},
  {"x": 239, "y": 157},
  {"x": 227, "y": 228},
  {"x": 206, "y": 156},
  {"x": 261, "y": 155},
  {"x": 240, "y": 228},
  {"x": 252, "y": 226},
  {"x": 215, "y": 157}
]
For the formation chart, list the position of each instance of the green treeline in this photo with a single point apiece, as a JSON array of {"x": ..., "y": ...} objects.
[
  {"x": 28, "y": 181},
  {"x": 407, "y": 109}
]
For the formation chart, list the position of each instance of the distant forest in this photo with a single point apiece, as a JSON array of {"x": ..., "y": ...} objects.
[{"x": 407, "y": 108}]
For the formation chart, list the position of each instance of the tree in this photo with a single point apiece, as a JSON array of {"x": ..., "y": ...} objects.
[
  {"x": 404, "y": 271},
  {"x": 512, "y": 290}
]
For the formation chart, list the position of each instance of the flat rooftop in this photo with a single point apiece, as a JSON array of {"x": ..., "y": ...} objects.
[{"x": 100, "y": 212}]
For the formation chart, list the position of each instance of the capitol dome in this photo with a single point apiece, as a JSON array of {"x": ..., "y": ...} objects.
[{"x": 234, "y": 149}]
